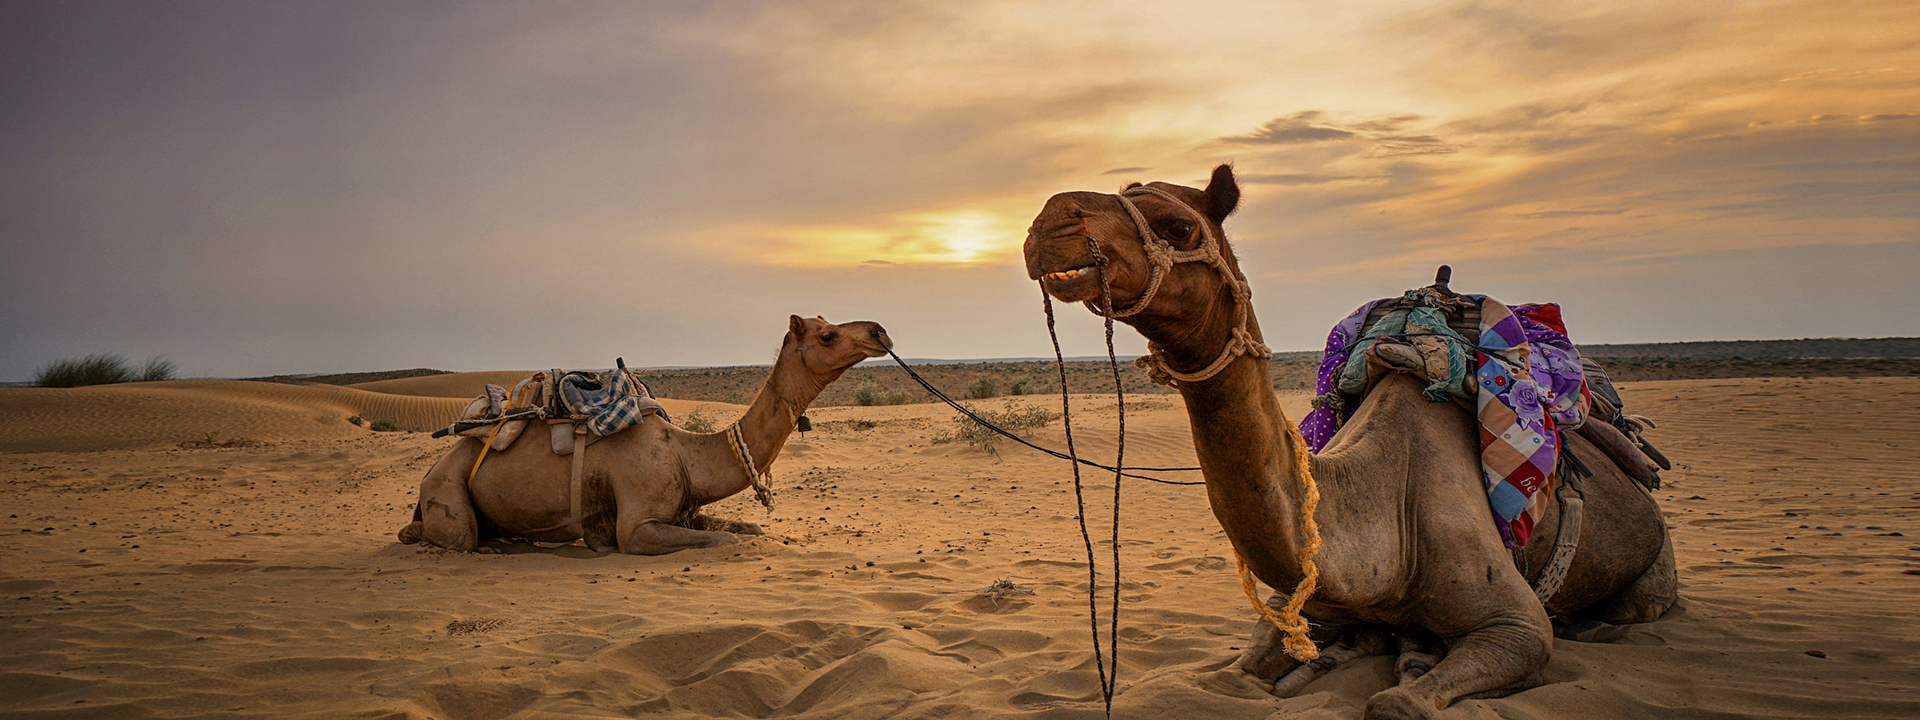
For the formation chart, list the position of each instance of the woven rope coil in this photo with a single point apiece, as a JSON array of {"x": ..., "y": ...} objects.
[
  {"x": 1288, "y": 619},
  {"x": 762, "y": 481}
]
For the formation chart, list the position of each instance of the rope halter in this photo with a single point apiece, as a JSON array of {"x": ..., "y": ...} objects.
[
  {"x": 762, "y": 482},
  {"x": 1162, "y": 256}
]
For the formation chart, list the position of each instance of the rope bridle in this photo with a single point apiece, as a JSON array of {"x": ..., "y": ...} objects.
[{"x": 1162, "y": 256}]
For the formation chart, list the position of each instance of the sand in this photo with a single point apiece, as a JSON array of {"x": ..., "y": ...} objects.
[{"x": 142, "y": 578}]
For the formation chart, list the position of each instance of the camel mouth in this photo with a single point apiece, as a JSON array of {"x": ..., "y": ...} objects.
[
  {"x": 1072, "y": 285},
  {"x": 877, "y": 344}
]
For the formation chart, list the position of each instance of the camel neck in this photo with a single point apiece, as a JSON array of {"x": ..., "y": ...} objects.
[
  {"x": 1250, "y": 463},
  {"x": 769, "y": 421}
]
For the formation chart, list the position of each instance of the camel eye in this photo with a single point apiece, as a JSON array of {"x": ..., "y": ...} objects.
[
  {"x": 1179, "y": 229},
  {"x": 829, "y": 338}
]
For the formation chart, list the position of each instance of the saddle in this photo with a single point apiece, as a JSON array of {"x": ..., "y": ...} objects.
[
  {"x": 1437, "y": 334},
  {"x": 578, "y": 406}
]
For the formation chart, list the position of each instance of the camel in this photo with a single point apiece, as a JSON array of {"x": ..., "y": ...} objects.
[
  {"x": 1411, "y": 558},
  {"x": 645, "y": 485}
]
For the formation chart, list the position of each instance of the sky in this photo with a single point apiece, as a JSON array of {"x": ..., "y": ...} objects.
[{"x": 259, "y": 187}]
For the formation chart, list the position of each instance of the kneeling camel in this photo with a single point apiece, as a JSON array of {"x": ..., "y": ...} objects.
[
  {"x": 645, "y": 485},
  {"x": 1410, "y": 548}
]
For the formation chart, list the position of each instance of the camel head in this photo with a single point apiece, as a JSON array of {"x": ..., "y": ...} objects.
[
  {"x": 1181, "y": 220},
  {"x": 828, "y": 349}
]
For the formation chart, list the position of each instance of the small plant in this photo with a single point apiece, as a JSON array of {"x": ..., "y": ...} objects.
[
  {"x": 984, "y": 386},
  {"x": 101, "y": 369},
  {"x": 357, "y": 420},
  {"x": 1014, "y": 418},
  {"x": 1018, "y": 387},
  {"x": 701, "y": 420},
  {"x": 157, "y": 368},
  {"x": 384, "y": 425},
  {"x": 871, "y": 394}
]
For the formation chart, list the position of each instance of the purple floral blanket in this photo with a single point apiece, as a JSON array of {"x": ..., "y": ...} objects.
[{"x": 1529, "y": 386}]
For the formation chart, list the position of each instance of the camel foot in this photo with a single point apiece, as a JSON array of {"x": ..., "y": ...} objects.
[
  {"x": 412, "y": 533},
  {"x": 1398, "y": 704},
  {"x": 742, "y": 527}
]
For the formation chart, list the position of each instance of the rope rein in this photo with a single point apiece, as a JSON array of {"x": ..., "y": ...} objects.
[
  {"x": 1086, "y": 538},
  {"x": 962, "y": 409},
  {"x": 1120, "y": 454}
]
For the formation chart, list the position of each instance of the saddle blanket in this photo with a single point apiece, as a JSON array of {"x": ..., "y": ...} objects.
[{"x": 1526, "y": 379}]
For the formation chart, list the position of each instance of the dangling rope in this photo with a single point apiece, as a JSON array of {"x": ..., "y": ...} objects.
[
  {"x": 1107, "y": 680},
  {"x": 1288, "y": 619}
]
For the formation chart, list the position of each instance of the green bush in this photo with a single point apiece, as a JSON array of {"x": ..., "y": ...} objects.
[
  {"x": 101, "y": 369},
  {"x": 1014, "y": 418},
  {"x": 1018, "y": 387},
  {"x": 357, "y": 420},
  {"x": 384, "y": 425},
  {"x": 871, "y": 394},
  {"x": 984, "y": 386}
]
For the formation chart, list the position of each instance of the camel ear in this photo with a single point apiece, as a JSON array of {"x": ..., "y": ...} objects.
[
  {"x": 796, "y": 326},
  {"x": 1223, "y": 194}
]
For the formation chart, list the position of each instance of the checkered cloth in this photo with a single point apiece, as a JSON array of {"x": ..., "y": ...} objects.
[
  {"x": 611, "y": 402},
  {"x": 1528, "y": 387}
]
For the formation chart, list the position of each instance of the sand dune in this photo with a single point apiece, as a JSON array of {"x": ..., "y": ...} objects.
[{"x": 147, "y": 581}]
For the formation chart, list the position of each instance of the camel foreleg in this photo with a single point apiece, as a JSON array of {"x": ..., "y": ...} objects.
[
  {"x": 1498, "y": 659},
  {"x": 654, "y": 537}
]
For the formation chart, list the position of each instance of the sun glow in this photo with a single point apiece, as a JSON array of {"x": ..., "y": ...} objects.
[{"x": 948, "y": 237}]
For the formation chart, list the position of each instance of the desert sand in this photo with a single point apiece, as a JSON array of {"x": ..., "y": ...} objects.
[{"x": 225, "y": 549}]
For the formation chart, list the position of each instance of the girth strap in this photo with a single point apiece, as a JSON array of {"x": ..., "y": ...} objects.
[{"x": 577, "y": 520}]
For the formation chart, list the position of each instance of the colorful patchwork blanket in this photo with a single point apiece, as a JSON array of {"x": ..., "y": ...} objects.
[{"x": 1527, "y": 384}]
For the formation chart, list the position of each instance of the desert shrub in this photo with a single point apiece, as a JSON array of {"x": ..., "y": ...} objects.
[
  {"x": 384, "y": 425},
  {"x": 872, "y": 394},
  {"x": 1014, "y": 418},
  {"x": 157, "y": 368},
  {"x": 101, "y": 369},
  {"x": 983, "y": 386},
  {"x": 357, "y": 420},
  {"x": 1018, "y": 387},
  {"x": 701, "y": 420}
]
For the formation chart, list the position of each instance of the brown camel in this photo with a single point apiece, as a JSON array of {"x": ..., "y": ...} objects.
[
  {"x": 644, "y": 485},
  {"x": 1410, "y": 548}
]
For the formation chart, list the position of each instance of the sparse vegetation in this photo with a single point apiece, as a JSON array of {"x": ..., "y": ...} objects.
[
  {"x": 357, "y": 420},
  {"x": 872, "y": 394},
  {"x": 983, "y": 386},
  {"x": 1014, "y": 418},
  {"x": 385, "y": 425},
  {"x": 101, "y": 369},
  {"x": 701, "y": 420}
]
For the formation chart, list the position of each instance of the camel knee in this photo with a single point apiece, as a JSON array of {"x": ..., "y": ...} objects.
[{"x": 412, "y": 533}]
